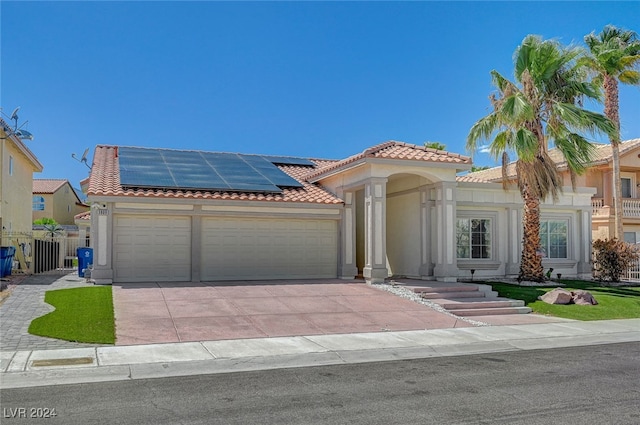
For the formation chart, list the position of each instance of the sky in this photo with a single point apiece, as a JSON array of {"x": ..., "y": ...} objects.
[{"x": 308, "y": 79}]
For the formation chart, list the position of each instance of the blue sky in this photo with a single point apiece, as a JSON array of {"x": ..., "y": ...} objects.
[{"x": 311, "y": 79}]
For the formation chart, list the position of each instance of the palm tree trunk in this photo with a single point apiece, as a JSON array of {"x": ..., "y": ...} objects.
[
  {"x": 531, "y": 260},
  {"x": 611, "y": 110}
]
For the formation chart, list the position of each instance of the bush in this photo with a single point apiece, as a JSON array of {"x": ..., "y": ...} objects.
[{"x": 613, "y": 258}]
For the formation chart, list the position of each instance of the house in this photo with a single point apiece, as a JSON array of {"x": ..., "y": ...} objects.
[
  {"x": 599, "y": 175},
  {"x": 56, "y": 199},
  {"x": 17, "y": 165},
  {"x": 394, "y": 209}
]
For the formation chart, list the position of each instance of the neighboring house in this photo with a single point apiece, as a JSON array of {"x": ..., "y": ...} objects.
[
  {"x": 56, "y": 199},
  {"x": 599, "y": 175},
  {"x": 394, "y": 209},
  {"x": 17, "y": 165}
]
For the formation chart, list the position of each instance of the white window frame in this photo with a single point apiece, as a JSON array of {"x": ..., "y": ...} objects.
[
  {"x": 632, "y": 183},
  {"x": 491, "y": 237},
  {"x": 545, "y": 245},
  {"x": 40, "y": 201}
]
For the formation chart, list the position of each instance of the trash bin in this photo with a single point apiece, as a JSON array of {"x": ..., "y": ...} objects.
[
  {"x": 85, "y": 258},
  {"x": 6, "y": 260}
]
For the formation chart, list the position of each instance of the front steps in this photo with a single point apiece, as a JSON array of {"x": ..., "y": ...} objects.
[{"x": 464, "y": 299}]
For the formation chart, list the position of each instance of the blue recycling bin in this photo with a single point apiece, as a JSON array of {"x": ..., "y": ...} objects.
[
  {"x": 85, "y": 258},
  {"x": 6, "y": 260}
]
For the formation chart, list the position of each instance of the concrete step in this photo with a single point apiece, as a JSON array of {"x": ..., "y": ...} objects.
[
  {"x": 441, "y": 289},
  {"x": 471, "y": 303},
  {"x": 491, "y": 311},
  {"x": 455, "y": 295}
]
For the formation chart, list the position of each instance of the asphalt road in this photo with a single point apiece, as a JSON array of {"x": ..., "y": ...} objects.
[{"x": 593, "y": 385}]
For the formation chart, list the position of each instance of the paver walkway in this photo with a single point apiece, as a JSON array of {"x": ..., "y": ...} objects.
[
  {"x": 178, "y": 312},
  {"x": 26, "y": 303}
]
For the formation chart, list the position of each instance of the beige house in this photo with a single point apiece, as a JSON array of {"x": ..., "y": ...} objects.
[
  {"x": 394, "y": 209},
  {"x": 599, "y": 175},
  {"x": 56, "y": 199},
  {"x": 17, "y": 165}
]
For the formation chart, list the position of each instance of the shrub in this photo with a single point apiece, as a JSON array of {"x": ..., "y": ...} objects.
[{"x": 613, "y": 258}]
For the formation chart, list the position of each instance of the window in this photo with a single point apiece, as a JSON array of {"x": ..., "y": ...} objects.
[
  {"x": 626, "y": 187},
  {"x": 630, "y": 237},
  {"x": 38, "y": 203},
  {"x": 553, "y": 238},
  {"x": 10, "y": 165},
  {"x": 473, "y": 238}
]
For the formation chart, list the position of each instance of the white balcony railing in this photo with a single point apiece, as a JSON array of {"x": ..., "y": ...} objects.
[{"x": 630, "y": 208}]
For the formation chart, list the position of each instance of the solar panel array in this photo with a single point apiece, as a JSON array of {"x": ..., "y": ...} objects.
[{"x": 174, "y": 169}]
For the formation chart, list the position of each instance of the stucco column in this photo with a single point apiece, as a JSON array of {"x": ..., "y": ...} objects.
[
  {"x": 426, "y": 204},
  {"x": 101, "y": 242},
  {"x": 375, "y": 224},
  {"x": 348, "y": 267},
  {"x": 513, "y": 225},
  {"x": 583, "y": 253},
  {"x": 446, "y": 268}
]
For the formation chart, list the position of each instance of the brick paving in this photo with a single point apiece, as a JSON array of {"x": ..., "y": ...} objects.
[{"x": 26, "y": 303}]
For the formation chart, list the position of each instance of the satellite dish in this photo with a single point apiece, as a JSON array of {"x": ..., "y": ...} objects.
[
  {"x": 14, "y": 115},
  {"x": 24, "y": 135},
  {"x": 84, "y": 156}
]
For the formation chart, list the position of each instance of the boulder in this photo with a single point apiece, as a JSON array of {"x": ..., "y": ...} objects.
[
  {"x": 583, "y": 298},
  {"x": 557, "y": 296}
]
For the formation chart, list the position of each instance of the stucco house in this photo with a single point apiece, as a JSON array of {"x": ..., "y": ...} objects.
[
  {"x": 394, "y": 209},
  {"x": 599, "y": 175},
  {"x": 56, "y": 199},
  {"x": 17, "y": 165}
]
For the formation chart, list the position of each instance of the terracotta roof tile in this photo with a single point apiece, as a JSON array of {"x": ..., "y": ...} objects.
[
  {"x": 105, "y": 181},
  {"x": 86, "y": 215},
  {"x": 47, "y": 185},
  {"x": 394, "y": 150},
  {"x": 602, "y": 155}
]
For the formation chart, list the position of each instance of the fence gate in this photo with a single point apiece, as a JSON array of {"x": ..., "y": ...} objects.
[{"x": 38, "y": 253}]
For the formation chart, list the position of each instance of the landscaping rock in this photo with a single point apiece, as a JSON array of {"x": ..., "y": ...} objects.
[
  {"x": 581, "y": 297},
  {"x": 557, "y": 296}
]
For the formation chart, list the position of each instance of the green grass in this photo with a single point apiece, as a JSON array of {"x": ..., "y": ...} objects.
[
  {"x": 613, "y": 302},
  {"x": 81, "y": 315}
]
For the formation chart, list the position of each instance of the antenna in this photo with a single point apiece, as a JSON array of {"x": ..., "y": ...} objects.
[{"x": 83, "y": 159}]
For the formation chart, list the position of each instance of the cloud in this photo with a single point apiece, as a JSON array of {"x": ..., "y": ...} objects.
[{"x": 483, "y": 149}]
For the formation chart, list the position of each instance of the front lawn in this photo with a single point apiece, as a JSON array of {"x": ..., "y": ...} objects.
[
  {"x": 613, "y": 302},
  {"x": 81, "y": 315}
]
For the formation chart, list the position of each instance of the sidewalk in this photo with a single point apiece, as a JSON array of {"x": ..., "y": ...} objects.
[{"x": 119, "y": 363}]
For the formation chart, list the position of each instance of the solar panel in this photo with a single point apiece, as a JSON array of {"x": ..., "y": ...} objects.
[{"x": 175, "y": 169}]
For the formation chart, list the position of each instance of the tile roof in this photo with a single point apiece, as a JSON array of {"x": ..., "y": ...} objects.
[
  {"x": 85, "y": 215},
  {"x": 602, "y": 155},
  {"x": 394, "y": 150},
  {"x": 105, "y": 181},
  {"x": 48, "y": 185}
]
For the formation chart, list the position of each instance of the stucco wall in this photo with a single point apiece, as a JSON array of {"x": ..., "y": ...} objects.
[{"x": 16, "y": 189}]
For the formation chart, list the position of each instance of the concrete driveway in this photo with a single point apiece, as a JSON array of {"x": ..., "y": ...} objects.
[{"x": 177, "y": 312}]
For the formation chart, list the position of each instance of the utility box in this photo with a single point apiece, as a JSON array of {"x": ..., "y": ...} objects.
[{"x": 85, "y": 258}]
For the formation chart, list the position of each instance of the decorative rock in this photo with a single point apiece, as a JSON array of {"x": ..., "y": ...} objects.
[
  {"x": 583, "y": 298},
  {"x": 557, "y": 296}
]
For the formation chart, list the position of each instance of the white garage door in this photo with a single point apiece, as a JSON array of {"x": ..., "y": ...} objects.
[
  {"x": 238, "y": 248},
  {"x": 149, "y": 248}
]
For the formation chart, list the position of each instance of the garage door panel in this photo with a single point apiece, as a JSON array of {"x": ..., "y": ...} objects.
[
  {"x": 239, "y": 248},
  {"x": 152, "y": 248}
]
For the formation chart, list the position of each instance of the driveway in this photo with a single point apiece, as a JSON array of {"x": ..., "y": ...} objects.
[{"x": 178, "y": 312}]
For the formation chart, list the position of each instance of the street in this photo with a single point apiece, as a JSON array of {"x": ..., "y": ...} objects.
[{"x": 593, "y": 384}]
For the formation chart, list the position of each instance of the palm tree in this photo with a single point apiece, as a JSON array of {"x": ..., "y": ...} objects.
[
  {"x": 615, "y": 56},
  {"x": 541, "y": 108}
]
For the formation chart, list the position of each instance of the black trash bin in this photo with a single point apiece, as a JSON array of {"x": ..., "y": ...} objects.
[
  {"x": 6, "y": 260},
  {"x": 85, "y": 258}
]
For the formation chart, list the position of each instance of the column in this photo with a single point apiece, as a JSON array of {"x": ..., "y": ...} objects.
[
  {"x": 375, "y": 222},
  {"x": 101, "y": 241},
  {"x": 583, "y": 251},
  {"x": 426, "y": 266},
  {"x": 348, "y": 267},
  {"x": 446, "y": 268},
  {"x": 514, "y": 221}
]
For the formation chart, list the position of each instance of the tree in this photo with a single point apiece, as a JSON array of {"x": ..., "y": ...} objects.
[
  {"x": 435, "y": 145},
  {"x": 475, "y": 168},
  {"x": 614, "y": 57},
  {"x": 541, "y": 108}
]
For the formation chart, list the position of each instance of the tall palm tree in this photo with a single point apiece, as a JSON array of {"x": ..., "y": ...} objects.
[
  {"x": 541, "y": 107},
  {"x": 615, "y": 57}
]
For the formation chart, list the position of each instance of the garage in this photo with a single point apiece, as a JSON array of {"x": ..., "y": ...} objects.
[
  {"x": 259, "y": 248},
  {"x": 151, "y": 248}
]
